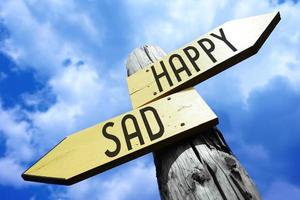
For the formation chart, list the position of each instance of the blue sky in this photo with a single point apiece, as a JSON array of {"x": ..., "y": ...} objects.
[{"x": 62, "y": 68}]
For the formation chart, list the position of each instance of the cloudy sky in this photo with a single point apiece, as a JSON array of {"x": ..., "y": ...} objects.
[{"x": 62, "y": 68}]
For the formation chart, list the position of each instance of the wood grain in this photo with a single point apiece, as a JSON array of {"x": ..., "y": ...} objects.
[{"x": 202, "y": 167}]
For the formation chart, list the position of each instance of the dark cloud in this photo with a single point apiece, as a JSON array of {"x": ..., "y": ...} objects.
[{"x": 67, "y": 62}]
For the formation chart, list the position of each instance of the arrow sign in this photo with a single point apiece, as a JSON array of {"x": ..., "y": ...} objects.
[
  {"x": 123, "y": 138},
  {"x": 201, "y": 59}
]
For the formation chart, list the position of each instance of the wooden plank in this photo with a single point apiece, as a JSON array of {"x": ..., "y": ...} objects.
[
  {"x": 199, "y": 167},
  {"x": 201, "y": 59},
  {"x": 123, "y": 138},
  {"x": 233, "y": 179}
]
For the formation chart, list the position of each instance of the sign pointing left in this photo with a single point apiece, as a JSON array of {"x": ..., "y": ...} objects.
[{"x": 123, "y": 138}]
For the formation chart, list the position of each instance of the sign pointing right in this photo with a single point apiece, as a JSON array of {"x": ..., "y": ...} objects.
[{"x": 201, "y": 59}]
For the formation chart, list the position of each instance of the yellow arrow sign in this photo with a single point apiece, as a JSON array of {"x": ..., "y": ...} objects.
[
  {"x": 123, "y": 138},
  {"x": 201, "y": 59}
]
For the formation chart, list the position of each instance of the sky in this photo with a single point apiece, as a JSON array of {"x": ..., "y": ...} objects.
[{"x": 62, "y": 69}]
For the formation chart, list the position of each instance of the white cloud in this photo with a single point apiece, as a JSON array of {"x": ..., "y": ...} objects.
[
  {"x": 43, "y": 40},
  {"x": 10, "y": 172},
  {"x": 17, "y": 135},
  {"x": 132, "y": 182},
  {"x": 78, "y": 92},
  {"x": 172, "y": 23},
  {"x": 18, "y": 147}
]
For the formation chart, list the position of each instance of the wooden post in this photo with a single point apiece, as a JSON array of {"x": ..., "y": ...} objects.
[{"x": 202, "y": 167}]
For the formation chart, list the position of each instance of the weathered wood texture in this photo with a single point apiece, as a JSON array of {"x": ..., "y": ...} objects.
[{"x": 202, "y": 167}]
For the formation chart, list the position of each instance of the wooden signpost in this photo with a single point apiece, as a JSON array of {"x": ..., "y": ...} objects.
[
  {"x": 200, "y": 167},
  {"x": 125, "y": 137},
  {"x": 166, "y": 110}
]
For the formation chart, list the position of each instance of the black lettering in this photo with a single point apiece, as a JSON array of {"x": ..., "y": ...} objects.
[
  {"x": 224, "y": 39},
  {"x": 111, "y": 137},
  {"x": 137, "y": 132},
  {"x": 152, "y": 136},
  {"x": 208, "y": 50},
  {"x": 181, "y": 69},
  {"x": 191, "y": 58},
  {"x": 158, "y": 76}
]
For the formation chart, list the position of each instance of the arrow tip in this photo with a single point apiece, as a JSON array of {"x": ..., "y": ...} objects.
[
  {"x": 34, "y": 174},
  {"x": 43, "y": 179}
]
